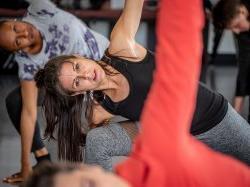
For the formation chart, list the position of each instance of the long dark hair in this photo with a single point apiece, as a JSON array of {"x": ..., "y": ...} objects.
[{"x": 68, "y": 116}]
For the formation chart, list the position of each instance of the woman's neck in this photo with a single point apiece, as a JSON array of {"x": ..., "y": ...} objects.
[
  {"x": 116, "y": 87},
  {"x": 111, "y": 82}
]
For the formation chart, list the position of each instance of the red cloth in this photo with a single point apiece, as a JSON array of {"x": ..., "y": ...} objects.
[{"x": 165, "y": 154}]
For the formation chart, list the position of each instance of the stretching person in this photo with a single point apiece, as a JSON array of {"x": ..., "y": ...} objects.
[
  {"x": 119, "y": 83},
  {"x": 215, "y": 123},
  {"x": 164, "y": 153},
  {"x": 43, "y": 33},
  {"x": 234, "y": 15}
]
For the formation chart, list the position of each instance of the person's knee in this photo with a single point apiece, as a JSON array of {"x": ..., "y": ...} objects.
[
  {"x": 97, "y": 150},
  {"x": 97, "y": 142}
]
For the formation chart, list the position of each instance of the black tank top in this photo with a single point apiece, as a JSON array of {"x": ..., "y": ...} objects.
[
  {"x": 139, "y": 76},
  {"x": 210, "y": 109}
]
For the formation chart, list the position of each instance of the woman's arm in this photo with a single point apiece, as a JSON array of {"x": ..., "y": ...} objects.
[
  {"x": 28, "y": 119},
  {"x": 122, "y": 38}
]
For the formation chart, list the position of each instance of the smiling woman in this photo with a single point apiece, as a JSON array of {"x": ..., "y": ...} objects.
[
  {"x": 21, "y": 36},
  {"x": 74, "y": 75},
  {"x": 67, "y": 76},
  {"x": 81, "y": 75}
]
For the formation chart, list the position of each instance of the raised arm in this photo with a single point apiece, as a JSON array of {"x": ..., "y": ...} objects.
[{"x": 122, "y": 38}]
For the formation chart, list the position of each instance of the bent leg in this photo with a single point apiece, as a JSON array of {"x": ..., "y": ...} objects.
[
  {"x": 231, "y": 136},
  {"x": 104, "y": 142}
]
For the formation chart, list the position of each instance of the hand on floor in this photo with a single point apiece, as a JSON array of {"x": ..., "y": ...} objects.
[
  {"x": 15, "y": 178},
  {"x": 18, "y": 177}
]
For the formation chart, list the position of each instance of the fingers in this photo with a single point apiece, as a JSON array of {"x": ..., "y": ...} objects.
[
  {"x": 15, "y": 175},
  {"x": 13, "y": 180}
]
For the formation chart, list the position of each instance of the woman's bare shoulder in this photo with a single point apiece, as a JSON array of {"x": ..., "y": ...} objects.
[{"x": 127, "y": 49}]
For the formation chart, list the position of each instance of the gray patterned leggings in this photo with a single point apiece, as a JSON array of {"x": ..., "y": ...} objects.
[
  {"x": 231, "y": 136},
  {"x": 105, "y": 144}
]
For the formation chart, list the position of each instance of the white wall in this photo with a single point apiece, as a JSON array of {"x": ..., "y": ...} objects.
[
  {"x": 103, "y": 28},
  {"x": 227, "y": 45}
]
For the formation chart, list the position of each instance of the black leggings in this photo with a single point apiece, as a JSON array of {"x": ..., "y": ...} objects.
[{"x": 14, "y": 108}]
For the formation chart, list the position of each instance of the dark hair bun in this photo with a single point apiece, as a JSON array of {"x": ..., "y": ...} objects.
[{"x": 39, "y": 78}]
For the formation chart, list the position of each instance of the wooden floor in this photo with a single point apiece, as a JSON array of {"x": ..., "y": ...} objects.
[{"x": 225, "y": 78}]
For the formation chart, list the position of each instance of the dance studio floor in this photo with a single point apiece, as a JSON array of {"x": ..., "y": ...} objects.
[
  {"x": 10, "y": 141},
  {"x": 9, "y": 138}
]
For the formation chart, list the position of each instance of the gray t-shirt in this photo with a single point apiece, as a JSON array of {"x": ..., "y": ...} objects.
[{"x": 62, "y": 34}]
